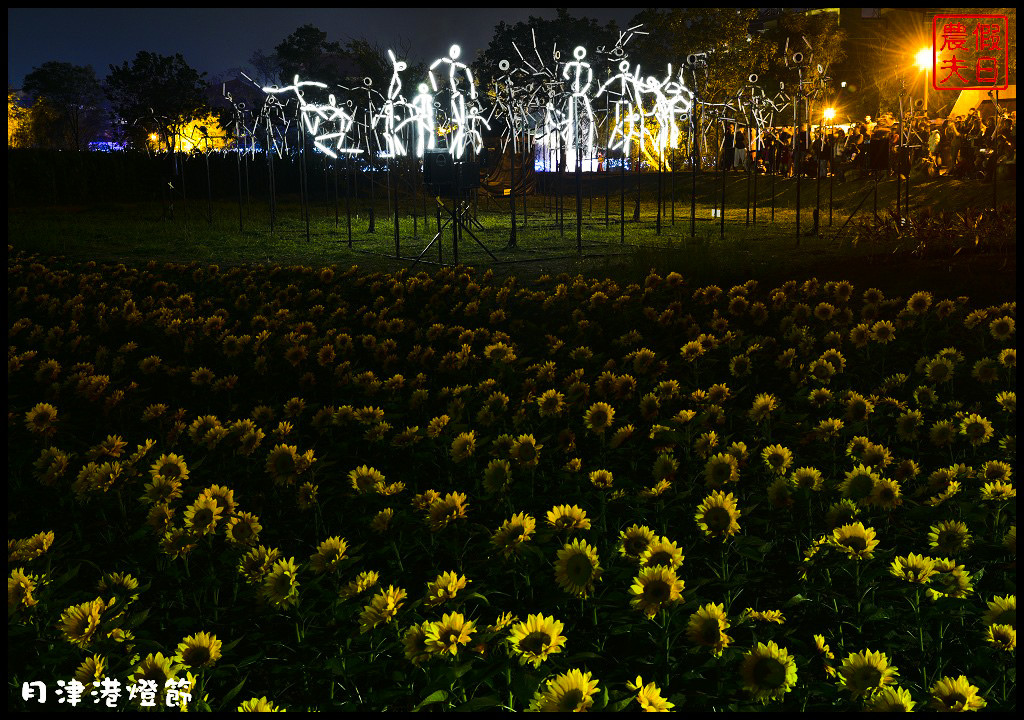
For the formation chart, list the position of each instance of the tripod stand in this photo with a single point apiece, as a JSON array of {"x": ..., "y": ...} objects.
[{"x": 460, "y": 215}]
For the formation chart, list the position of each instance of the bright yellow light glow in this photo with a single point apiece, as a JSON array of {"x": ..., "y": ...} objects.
[
  {"x": 923, "y": 59},
  {"x": 830, "y": 113}
]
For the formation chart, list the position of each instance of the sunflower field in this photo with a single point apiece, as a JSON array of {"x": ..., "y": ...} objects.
[{"x": 293, "y": 488}]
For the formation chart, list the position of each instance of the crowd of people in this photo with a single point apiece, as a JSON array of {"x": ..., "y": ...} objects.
[{"x": 965, "y": 146}]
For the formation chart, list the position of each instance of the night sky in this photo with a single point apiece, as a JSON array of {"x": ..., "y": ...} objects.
[{"x": 218, "y": 40}]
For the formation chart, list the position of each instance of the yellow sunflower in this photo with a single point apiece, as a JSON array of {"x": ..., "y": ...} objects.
[
  {"x": 707, "y": 627},
  {"x": 258, "y": 705},
  {"x": 363, "y": 582},
  {"x": 445, "y": 586},
  {"x": 551, "y": 403},
  {"x": 977, "y": 429},
  {"x": 463, "y": 446},
  {"x": 243, "y": 529},
  {"x": 382, "y": 608},
  {"x": 92, "y": 671},
  {"x": 199, "y": 650},
  {"x": 891, "y": 699},
  {"x": 446, "y": 510},
  {"x": 79, "y": 623},
  {"x": 155, "y": 668},
  {"x": 281, "y": 586},
  {"x": 514, "y": 534},
  {"x": 955, "y": 695},
  {"x": 526, "y": 451},
  {"x": 662, "y": 552},
  {"x": 858, "y": 484},
  {"x": 599, "y": 417},
  {"x": 864, "y": 673},
  {"x": 1002, "y": 611},
  {"x": 571, "y": 691},
  {"x": 202, "y": 516},
  {"x": 720, "y": 469},
  {"x": 855, "y": 540},
  {"x": 777, "y": 458},
  {"x": 718, "y": 515},
  {"x": 634, "y": 540},
  {"x": 536, "y": 639},
  {"x": 566, "y": 518},
  {"x": 20, "y": 589},
  {"x": 170, "y": 466},
  {"x": 949, "y": 537},
  {"x": 416, "y": 650},
  {"x": 649, "y": 696},
  {"x": 446, "y": 635},
  {"x": 913, "y": 568},
  {"x": 329, "y": 555},
  {"x": 577, "y": 568},
  {"x": 762, "y": 408},
  {"x": 1001, "y": 637},
  {"x": 654, "y": 589},
  {"x": 365, "y": 479},
  {"x": 42, "y": 419},
  {"x": 768, "y": 671}
]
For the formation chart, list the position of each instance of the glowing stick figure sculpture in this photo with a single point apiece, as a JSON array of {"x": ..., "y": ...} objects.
[
  {"x": 625, "y": 125},
  {"x": 464, "y": 118},
  {"x": 421, "y": 117},
  {"x": 579, "y": 109},
  {"x": 320, "y": 120},
  {"x": 393, "y": 146}
]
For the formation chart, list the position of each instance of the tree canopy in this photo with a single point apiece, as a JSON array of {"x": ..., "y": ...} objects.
[
  {"x": 563, "y": 33},
  {"x": 157, "y": 93},
  {"x": 73, "y": 99}
]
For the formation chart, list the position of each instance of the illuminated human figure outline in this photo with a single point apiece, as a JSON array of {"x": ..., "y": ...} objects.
[
  {"x": 316, "y": 117},
  {"x": 579, "y": 98},
  {"x": 389, "y": 111},
  {"x": 463, "y": 119},
  {"x": 626, "y": 114},
  {"x": 421, "y": 116}
]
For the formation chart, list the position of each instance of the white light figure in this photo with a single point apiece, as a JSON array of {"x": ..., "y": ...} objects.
[
  {"x": 464, "y": 119},
  {"x": 318, "y": 120},
  {"x": 627, "y": 124},
  {"x": 345, "y": 121},
  {"x": 421, "y": 116},
  {"x": 669, "y": 101},
  {"x": 393, "y": 146},
  {"x": 579, "y": 110}
]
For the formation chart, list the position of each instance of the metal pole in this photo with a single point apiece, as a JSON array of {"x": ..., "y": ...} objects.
[
  {"x": 622, "y": 195},
  {"x": 693, "y": 169},
  {"x": 348, "y": 197}
]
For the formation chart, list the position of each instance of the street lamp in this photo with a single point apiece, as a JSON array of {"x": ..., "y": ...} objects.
[{"x": 924, "y": 59}]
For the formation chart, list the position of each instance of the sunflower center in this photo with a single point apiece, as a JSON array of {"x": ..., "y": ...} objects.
[
  {"x": 635, "y": 545},
  {"x": 598, "y": 418},
  {"x": 717, "y": 519},
  {"x": 203, "y": 517},
  {"x": 769, "y": 673},
  {"x": 710, "y": 630},
  {"x": 662, "y": 557},
  {"x": 570, "y": 700},
  {"x": 579, "y": 569},
  {"x": 657, "y": 591},
  {"x": 856, "y": 543},
  {"x": 867, "y": 677},
  {"x": 197, "y": 656},
  {"x": 535, "y": 642}
]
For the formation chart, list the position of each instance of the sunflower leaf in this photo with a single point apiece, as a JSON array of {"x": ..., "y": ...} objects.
[{"x": 434, "y": 697}]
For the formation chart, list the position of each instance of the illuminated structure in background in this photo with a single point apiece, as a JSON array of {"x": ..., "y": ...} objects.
[{"x": 555, "y": 106}]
